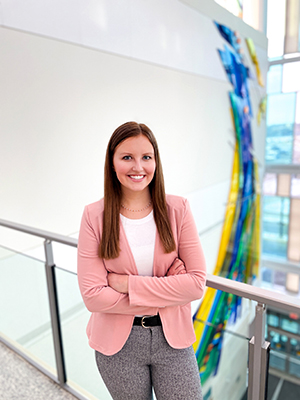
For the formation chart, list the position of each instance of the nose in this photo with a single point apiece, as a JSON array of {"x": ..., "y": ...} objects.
[{"x": 137, "y": 166}]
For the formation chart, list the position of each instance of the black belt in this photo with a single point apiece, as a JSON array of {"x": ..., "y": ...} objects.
[{"x": 147, "y": 321}]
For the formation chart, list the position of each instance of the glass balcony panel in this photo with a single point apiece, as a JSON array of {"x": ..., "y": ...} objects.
[
  {"x": 229, "y": 382},
  {"x": 270, "y": 184},
  {"x": 275, "y": 225},
  {"x": 284, "y": 356},
  {"x": 274, "y": 79},
  {"x": 65, "y": 256},
  {"x": 24, "y": 307},
  {"x": 280, "y": 128},
  {"x": 81, "y": 369}
]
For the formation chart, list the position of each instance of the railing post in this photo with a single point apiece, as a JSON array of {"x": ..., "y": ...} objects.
[
  {"x": 258, "y": 357},
  {"x": 54, "y": 312}
]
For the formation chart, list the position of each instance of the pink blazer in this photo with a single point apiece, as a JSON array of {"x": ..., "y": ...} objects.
[{"x": 113, "y": 312}]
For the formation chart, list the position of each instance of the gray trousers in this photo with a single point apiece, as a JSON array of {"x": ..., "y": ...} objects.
[{"x": 147, "y": 361}]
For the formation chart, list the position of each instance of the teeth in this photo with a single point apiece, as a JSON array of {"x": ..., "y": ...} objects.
[{"x": 136, "y": 176}]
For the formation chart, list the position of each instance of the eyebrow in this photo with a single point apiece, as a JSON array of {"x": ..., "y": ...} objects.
[{"x": 128, "y": 153}]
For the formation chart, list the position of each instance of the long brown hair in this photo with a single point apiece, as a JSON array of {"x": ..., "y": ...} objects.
[{"x": 109, "y": 246}]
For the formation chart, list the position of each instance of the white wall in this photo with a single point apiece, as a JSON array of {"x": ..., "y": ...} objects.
[
  {"x": 101, "y": 65},
  {"x": 170, "y": 32}
]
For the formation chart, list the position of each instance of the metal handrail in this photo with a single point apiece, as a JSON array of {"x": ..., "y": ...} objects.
[
  {"x": 262, "y": 296},
  {"x": 54, "y": 237}
]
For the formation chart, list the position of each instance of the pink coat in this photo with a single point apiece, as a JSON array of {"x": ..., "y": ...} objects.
[{"x": 113, "y": 312}]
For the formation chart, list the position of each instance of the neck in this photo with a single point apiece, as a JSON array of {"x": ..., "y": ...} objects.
[
  {"x": 136, "y": 201},
  {"x": 136, "y": 198}
]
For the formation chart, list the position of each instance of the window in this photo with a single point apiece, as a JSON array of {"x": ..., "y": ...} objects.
[
  {"x": 276, "y": 27},
  {"x": 280, "y": 128},
  {"x": 274, "y": 79},
  {"x": 275, "y": 225}
]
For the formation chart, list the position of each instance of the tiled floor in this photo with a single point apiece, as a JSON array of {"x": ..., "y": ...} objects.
[{"x": 20, "y": 380}]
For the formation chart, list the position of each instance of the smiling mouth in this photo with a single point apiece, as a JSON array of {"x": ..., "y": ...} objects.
[{"x": 136, "y": 177}]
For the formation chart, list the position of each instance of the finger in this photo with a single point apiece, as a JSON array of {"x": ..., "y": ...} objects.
[
  {"x": 180, "y": 265},
  {"x": 171, "y": 271},
  {"x": 182, "y": 272}
]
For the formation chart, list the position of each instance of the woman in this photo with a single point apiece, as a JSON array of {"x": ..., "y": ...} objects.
[{"x": 140, "y": 264}]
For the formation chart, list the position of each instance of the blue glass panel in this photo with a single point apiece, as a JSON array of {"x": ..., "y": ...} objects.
[
  {"x": 275, "y": 225},
  {"x": 289, "y": 325},
  {"x": 280, "y": 128},
  {"x": 274, "y": 79},
  {"x": 273, "y": 320}
]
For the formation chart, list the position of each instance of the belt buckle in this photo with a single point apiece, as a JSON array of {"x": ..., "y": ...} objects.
[{"x": 143, "y": 321}]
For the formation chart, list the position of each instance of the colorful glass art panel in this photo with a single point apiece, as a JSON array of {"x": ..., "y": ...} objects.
[{"x": 239, "y": 250}]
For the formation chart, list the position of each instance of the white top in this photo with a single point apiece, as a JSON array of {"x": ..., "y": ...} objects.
[{"x": 141, "y": 234}]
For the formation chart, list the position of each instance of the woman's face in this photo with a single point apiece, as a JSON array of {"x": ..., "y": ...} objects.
[{"x": 134, "y": 164}]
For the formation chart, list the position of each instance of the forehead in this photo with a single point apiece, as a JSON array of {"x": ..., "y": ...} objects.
[{"x": 135, "y": 144}]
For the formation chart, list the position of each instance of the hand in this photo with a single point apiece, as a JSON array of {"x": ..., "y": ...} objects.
[
  {"x": 118, "y": 282},
  {"x": 177, "y": 267}
]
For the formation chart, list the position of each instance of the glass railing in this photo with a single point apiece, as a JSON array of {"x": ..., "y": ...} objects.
[
  {"x": 81, "y": 370},
  {"x": 283, "y": 382},
  {"x": 44, "y": 319},
  {"x": 283, "y": 357},
  {"x": 229, "y": 377},
  {"x": 283, "y": 333},
  {"x": 79, "y": 358},
  {"x": 24, "y": 307},
  {"x": 25, "y": 320}
]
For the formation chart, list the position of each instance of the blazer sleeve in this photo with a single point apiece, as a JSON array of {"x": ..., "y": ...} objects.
[
  {"x": 178, "y": 289},
  {"x": 92, "y": 277}
]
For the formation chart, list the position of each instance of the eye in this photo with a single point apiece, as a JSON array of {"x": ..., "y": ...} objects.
[
  {"x": 126, "y": 158},
  {"x": 147, "y": 158}
]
